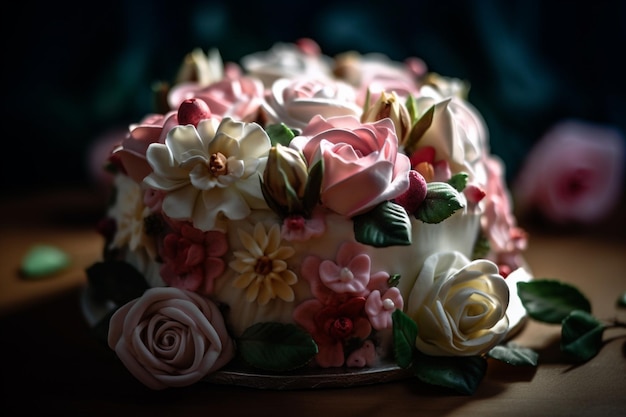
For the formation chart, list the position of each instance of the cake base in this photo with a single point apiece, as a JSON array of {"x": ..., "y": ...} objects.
[{"x": 313, "y": 378}]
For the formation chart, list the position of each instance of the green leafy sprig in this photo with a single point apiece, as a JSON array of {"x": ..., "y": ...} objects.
[{"x": 554, "y": 302}]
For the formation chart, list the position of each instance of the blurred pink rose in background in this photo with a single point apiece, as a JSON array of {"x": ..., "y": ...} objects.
[{"x": 574, "y": 174}]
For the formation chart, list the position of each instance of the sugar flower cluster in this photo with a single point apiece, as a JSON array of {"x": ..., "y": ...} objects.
[{"x": 327, "y": 200}]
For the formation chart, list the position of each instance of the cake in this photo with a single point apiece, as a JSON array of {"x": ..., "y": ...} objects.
[{"x": 296, "y": 214}]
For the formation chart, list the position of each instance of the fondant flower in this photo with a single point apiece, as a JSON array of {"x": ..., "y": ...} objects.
[
  {"x": 129, "y": 215},
  {"x": 332, "y": 326},
  {"x": 131, "y": 154},
  {"x": 379, "y": 308},
  {"x": 285, "y": 177},
  {"x": 287, "y": 60},
  {"x": 262, "y": 268},
  {"x": 294, "y": 102},
  {"x": 170, "y": 337},
  {"x": 457, "y": 133},
  {"x": 459, "y": 305},
  {"x": 210, "y": 171},
  {"x": 389, "y": 105},
  {"x": 297, "y": 228},
  {"x": 506, "y": 239},
  {"x": 362, "y": 165},
  {"x": 349, "y": 276},
  {"x": 192, "y": 258},
  {"x": 239, "y": 98},
  {"x": 573, "y": 174},
  {"x": 374, "y": 73}
]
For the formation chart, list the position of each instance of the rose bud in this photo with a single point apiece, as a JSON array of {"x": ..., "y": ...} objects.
[
  {"x": 192, "y": 111},
  {"x": 388, "y": 105},
  {"x": 285, "y": 177}
]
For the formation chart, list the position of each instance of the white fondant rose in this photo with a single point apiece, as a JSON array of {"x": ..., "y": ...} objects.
[
  {"x": 459, "y": 305},
  {"x": 457, "y": 133},
  {"x": 295, "y": 101},
  {"x": 170, "y": 337}
]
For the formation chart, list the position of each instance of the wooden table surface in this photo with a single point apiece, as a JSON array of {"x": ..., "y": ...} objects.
[{"x": 52, "y": 365}]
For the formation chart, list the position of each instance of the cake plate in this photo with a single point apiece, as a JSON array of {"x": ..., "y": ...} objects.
[{"x": 312, "y": 378}]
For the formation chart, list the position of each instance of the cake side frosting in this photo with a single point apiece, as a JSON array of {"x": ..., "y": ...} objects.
[{"x": 325, "y": 200}]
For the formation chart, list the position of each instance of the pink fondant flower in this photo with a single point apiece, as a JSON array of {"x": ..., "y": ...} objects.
[
  {"x": 132, "y": 152},
  {"x": 349, "y": 276},
  {"x": 506, "y": 240},
  {"x": 192, "y": 258},
  {"x": 573, "y": 174},
  {"x": 362, "y": 165},
  {"x": 239, "y": 98},
  {"x": 379, "y": 308},
  {"x": 170, "y": 337},
  {"x": 299, "y": 229},
  {"x": 331, "y": 326}
]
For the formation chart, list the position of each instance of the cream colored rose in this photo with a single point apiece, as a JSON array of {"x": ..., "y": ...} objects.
[
  {"x": 459, "y": 305},
  {"x": 170, "y": 337}
]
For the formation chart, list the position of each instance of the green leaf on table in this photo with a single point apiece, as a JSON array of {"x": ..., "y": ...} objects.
[
  {"x": 387, "y": 224},
  {"x": 514, "y": 355},
  {"x": 441, "y": 201},
  {"x": 404, "y": 334},
  {"x": 460, "y": 373},
  {"x": 276, "y": 346},
  {"x": 550, "y": 301},
  {"x": 43, "y": 260},
  {"x": 581, "y": 335}
]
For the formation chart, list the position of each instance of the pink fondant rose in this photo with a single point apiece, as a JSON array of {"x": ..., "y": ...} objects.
[
  {"x": 574, "y": 173},
  {"x": 362, "y": 165},
  {"x": 170, "y": 337}
]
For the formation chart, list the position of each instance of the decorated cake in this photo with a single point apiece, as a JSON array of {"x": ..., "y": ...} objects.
[{"x": 305, "y": 216}]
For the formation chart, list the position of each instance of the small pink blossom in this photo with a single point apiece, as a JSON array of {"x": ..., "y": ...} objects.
[
  {"x": 379, "y": 308},
  {"x": 573, "y": 174},
  {"x": 364, "y": 356},
  {"x": 192, "y": 258},
  {"x": 332, "y": 326},
  {"x": 297, "y": 228}
]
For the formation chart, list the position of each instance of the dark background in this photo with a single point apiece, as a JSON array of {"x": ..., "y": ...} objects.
[{"x": 74, "y": 72}]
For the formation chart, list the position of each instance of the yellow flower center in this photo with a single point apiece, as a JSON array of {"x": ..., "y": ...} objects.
[
  {"x": 263, "y": 265},
  {"x": 218, "y": 164}
]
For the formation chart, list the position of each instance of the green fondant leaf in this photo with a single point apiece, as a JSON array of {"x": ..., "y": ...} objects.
[
  {"x": 44, "y": 260},
  {"x": 313, "y": 187},
  {"x": 387, "y": 224},
  {"x": 441, "y": 201},
  {"x": 581, "y": 335},
  {"x": 514, "y": 355},
  {"x": 116, "y": 281},
  {"x": 411, "y": 106},
  {"x": 460, "y": 373},
  {"x": 419, "y": 128},
  {"x": 550, "y": 301},
  {"x": 459, "y": 181},
  {"x": 393, "y": 280},
  {"x": 280, "y": 134},
  {"x": 276, "y": 346},
  {"x": 404, "y": 334}
]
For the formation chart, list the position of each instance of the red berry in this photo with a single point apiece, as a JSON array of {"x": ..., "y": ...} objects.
[
  {"x": 416, "y": 193},
  {"x": 192, "y": 111}
]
